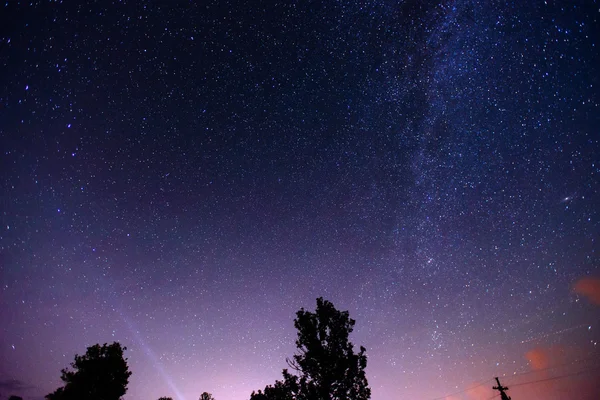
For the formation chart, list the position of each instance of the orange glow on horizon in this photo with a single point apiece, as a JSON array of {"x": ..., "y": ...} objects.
[{"x": 589, "y": 288}]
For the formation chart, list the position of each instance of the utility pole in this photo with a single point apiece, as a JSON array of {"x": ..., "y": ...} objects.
[{"x": 501, "y": 389}]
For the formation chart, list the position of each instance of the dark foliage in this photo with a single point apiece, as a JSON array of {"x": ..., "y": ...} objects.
[
  {"x": 327, "y": 366},
  {"x": 282, "y": 390},
  {"x": 206, "y": 396},
  {"x": 101, "y": 374},
  {"x": 15, "y": 398},
  {"x": 165, "y": 398}
]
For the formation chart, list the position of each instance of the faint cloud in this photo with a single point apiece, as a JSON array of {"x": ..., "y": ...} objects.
[
  {"x": 589, "y": 288},
  {"x": 13, "y": 385},
  {"x": 545, "y": 357},
  {"x": 538, "y": 358}
]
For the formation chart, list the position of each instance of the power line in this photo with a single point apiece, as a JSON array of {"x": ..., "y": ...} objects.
[
  {"x": 554, "y": 366},
  {"x": 528, "y": 373},
  {"x": 462, "y": 391},
  {"x": 555, "y": 377},
  {"x": 501, "y": 389}
]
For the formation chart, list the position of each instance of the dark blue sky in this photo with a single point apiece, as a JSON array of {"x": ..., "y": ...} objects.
[{"x": 183, "y": 177}]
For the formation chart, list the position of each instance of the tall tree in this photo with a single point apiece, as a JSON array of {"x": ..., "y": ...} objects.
[
  {"x": 327, "y": 368},
  {"x": 100, "y": 374},
  {"x": 206, "y": 396}
]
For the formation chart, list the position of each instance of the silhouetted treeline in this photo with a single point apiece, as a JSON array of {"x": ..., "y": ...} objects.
[{"x": 325, "y": 366}]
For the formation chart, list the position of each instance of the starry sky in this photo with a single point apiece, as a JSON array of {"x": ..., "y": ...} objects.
[{"x": 183, "y": 176}]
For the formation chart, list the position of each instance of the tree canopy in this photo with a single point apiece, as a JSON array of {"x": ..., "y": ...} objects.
[
  {"x": 326, "y": 366},
  {"x": 206, "y": 396},
  {"x": 281, "y": 390},
  {"x": 101, "y": 373}
]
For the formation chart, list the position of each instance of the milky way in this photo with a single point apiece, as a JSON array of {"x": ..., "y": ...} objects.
[{"x": 182, "y": 178}]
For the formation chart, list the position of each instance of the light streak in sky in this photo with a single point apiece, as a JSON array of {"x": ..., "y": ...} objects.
[
  {"x": 559, "y": 332},
  {"x": 138, "y": 338},
  {"x": 150, "y": 354}
]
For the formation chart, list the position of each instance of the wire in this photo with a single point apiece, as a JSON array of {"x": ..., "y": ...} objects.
[
  {"x": 528, "y": 373},
  {"x": 595, "y": 356},
  {"x": 462, "y": 391},
  {"x": 555, "y": 377}
]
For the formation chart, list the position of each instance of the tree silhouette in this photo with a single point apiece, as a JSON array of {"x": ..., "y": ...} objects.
[
  {"x": 15, "y": 398},
  {"x": 165, "y": 398},
  {"x": 101, "y": 374},
  {"x": 282, "y": 390},
  {"x": 206, "y": 396},
  {"x": 326, "y": 365}
]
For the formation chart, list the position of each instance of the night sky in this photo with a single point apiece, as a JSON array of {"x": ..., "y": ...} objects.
[{"x": 183, "y": 177}]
